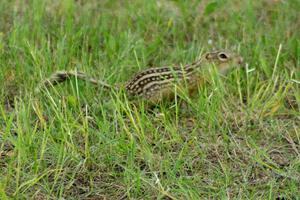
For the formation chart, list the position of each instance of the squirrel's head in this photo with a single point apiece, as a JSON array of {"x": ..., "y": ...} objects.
[{"x": 223, "y": 60}]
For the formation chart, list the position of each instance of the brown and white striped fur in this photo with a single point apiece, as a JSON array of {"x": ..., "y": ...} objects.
[{"x": 156, "y": 84}]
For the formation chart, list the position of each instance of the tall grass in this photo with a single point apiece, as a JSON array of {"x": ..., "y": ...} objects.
[{"x": 237, "y": 138}]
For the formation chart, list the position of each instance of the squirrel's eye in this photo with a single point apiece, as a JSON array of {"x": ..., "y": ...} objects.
[{"x": 222, "y": 56}]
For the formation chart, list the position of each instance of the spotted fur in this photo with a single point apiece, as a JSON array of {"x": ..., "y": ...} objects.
[{"x": 157, "y": 83}]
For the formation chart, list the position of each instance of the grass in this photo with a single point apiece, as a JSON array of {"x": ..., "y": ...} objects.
[{"x": 237, "y": 139}]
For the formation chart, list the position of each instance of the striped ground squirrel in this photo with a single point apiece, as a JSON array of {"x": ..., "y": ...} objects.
[{"x": 156, "y": 84}]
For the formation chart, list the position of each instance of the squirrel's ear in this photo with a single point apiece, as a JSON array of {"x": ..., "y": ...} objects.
[{"x": 208, "y": 56}]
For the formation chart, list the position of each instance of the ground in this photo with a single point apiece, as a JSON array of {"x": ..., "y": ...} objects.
[{"x": 238, "y": 138}]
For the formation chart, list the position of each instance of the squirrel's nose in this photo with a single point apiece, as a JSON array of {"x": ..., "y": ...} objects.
[{"x": 240, "y": 60}]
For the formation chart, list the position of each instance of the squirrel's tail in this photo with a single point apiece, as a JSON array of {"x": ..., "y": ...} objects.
[{"x": 62, "y": 76}]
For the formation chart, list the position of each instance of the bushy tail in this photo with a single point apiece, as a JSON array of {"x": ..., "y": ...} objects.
[{"x": 62, "y": 76}]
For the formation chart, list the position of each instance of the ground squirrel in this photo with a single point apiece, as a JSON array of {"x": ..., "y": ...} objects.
[{"x": 156, "y": 84}]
